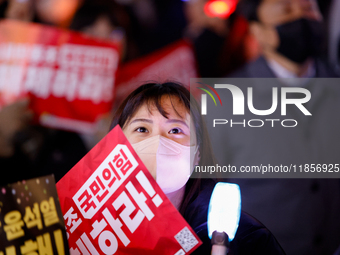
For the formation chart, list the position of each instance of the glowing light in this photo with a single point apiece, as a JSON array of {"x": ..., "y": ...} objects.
[
  {"x": 220, "y": 8},
  {"x": 224, "y": 209}
]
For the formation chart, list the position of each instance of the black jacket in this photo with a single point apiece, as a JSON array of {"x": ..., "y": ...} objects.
[
  {"x": 251, "y": 238},
  {"x": 260, "y": 69}
]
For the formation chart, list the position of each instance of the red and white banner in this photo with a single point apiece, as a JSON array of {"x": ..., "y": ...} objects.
[
  {"x": 175, "y": 62},
  {"x": 69, "y": 77},
  {"x": 112, "y": 205}
]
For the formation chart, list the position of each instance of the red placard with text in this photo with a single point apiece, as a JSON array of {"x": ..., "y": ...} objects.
[
  {"x": 173, "y": 62},
  {"x": 69, "y": 76},
  {"x": 112, "y": 205}
]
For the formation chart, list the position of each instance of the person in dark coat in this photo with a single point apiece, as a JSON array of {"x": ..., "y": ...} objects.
[
  {"x": 303, "y": 213},
  {"x": 252, "y": 237}
]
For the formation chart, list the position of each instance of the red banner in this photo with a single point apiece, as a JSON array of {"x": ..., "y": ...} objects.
[
  {"x": 174, "y": 62},
  {"x": 112, "y": 205},
  {"x": 70, "y": 77}
]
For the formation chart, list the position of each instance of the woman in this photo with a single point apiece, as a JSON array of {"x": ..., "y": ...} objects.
[{"x": 164, "y": 126}]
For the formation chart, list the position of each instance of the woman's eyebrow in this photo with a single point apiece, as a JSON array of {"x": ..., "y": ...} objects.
[
  {"x": 141, "y": 120},
  {"x": 177, "y": 121}
]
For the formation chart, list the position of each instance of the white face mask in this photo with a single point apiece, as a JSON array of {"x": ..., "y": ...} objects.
[{"x": 168, "y": 161}]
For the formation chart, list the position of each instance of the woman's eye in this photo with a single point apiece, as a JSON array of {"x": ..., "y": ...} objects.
[
  {"x": 141, "y": 130},
  {"x": 175, "y": 131}
]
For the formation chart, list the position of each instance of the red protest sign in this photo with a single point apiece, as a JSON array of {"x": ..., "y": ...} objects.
[
  {"x": 112, "y": 205},
  {"x": 70, "y": 77},
  {"x": 174, "y": 62}
]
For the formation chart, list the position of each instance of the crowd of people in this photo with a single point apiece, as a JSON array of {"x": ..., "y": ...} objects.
[{"x": 261, "y": 39}]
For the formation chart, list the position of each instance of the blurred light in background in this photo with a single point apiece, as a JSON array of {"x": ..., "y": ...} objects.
[{"x": 220, "y": 8}]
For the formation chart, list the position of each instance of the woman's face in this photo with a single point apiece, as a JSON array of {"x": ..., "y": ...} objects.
[{"x": 148, "y": 122}]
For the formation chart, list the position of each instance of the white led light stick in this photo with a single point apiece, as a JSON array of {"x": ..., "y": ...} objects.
[{"x": 223, "y": 216}]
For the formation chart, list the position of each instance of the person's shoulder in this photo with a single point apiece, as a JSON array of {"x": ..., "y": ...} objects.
[
  {"x": 257, "y": 68},
  {"x": 197, "y": 211},
  {"x": 324, "y": 69},
  {"x": 252, "y": 237},
  {"x": 243, "y": 72}
]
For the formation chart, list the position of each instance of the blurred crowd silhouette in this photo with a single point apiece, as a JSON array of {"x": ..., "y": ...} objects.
[{"x": 262, "y": 38}]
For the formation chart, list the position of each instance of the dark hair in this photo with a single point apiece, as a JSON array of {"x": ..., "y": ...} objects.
[
  {"x": 151, "y": 94},
  {"x": 248, "y": 9},
  {"x": 91, "y": 10}
]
